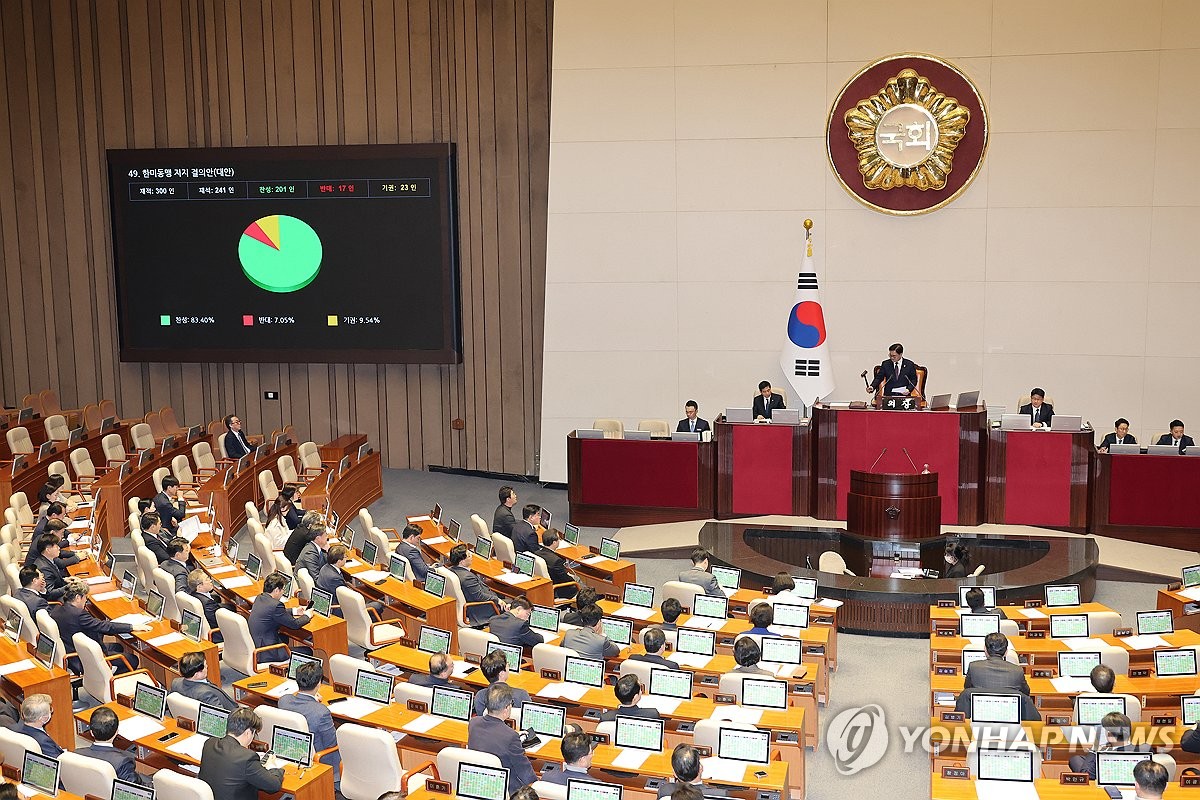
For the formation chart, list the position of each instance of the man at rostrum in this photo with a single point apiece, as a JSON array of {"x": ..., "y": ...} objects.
[
  {"x": 897, "y": 374},
  {"x": 231, "y": 769},
  {"x": 691, "y": 422},
  {"x": 1040, "y": 412}
]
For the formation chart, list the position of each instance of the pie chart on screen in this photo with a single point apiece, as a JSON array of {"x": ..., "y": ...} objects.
[{"x": 280, "y": 253}]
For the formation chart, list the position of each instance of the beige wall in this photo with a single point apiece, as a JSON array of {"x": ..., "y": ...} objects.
[{"x": 687, "y": 149}]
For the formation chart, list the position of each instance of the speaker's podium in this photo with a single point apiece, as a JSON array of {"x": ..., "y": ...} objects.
[{"x": 887, "y": 505}]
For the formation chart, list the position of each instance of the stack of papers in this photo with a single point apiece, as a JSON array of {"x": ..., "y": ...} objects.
[
  {"x": 1191, "y": 594},
  {"x": 351, "y": 564},
  {"x": 355, "y": 707},
  {"x": 423, "y": 724},
  {"x": 825, "y": 601},
  {"x": 786, "y": 630},
  {"x": 1031, "y": 613},
  {"x": 513, "y": 578},
  {"x": 1085, "y": 645},
  {"x": 433, "y": 540},
  {"x": 568, "y": 691},
  {"x": 594, "y": 558},
  {"x": 787, "y": 670},
  {"x": 1147, "y": 642},
  {"x": 634, "y": 612},
  {"x": 631, "y": 759},
  {"x": 691, "y": 660},
  {"x": 1071, "y": 685},
  {"x": 137, "y": 727},
  {"x": 462, "y": 669},
  {"x": 728, "y": 592},
  {"x": 100, "y": 598},
  {"x": 134, "y": 619},
  {"x": 287, "y": 687},
  {"x": 737, "y": 714},
  {"x": 723, "y": 769},
  {"x": 225, "y": 570},
  {"x": 95, "y": 579},
  {"x": 166, "y": 639},
  {"x": 370, "y": 575},
  {"x": 191, "y": 747},
  {"x": 78, "y": 525},
  {"x": 16, "y": 666},
  {"x": 237, "y": 582},
  {"x": 665, "y": 705}
]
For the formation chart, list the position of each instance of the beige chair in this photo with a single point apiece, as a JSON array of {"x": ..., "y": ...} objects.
[
  {"x": 19, "y": 441},
  {"x": 114, "y": 449},
  {"x": 240, "y": 652},
  {"x": 831, "y": 561},
  {"x": 1103, "y": 623},
  {"x": 82, "y": 776},
  {"x": 383, "y": 546},
  {"x": 540, "y": 570},
  {"x": 266, "y": 483},
  {"x": 613, "y": 428},
  {"x": 481, "y": 527},
  {"x": 283, "y": 565},
  {"x": 57, "y": 429},
  {"x": 169, "y": 784},
  {"x": 344, "y": 668},
  {"x": 685, "y": 593},
  {"x": 81, "y": 462},
  {"x": 274, "y": 717},
  {"x": 371, "y": 764},
  {"x": 639, "y": 668},
  {"x": 503, "y": 548},
  {"x": 1169, "y": 763},
  {"x": 206, "y": 462},
  {"x": 98, "y": 679},
  {"x": 978, "y": 571},
  {"x": 186, "y": 602},
  {"x": 59, "y": 468},
  {"x": 47, "y": 625},
  {"x": 462, "y": 607},
  {"x": 13, "y": 746},
  {"x": 164, "y": 584},
  {"x": 287, "y": 469},
  {"x": 183, "y": 707},
  {"x": 142, "y": 436},
  {"x": 146, "y": 563},
  {"x": 551, "y": 656},
  {"x": 657, "y": 427},
  {"x": 157, "y": 476},
  {"x": 402, "y": 693},
  {"x": 707, "y": 732},
  {"x": 304, "y": 584},
  {"x": 1114, "y": 657},
  {"x": 360, "y": 630},
  {"x": 450, "y": 758},
  {"x": 252, "y": 513},
  {"x": 264, "y": 551},
  {"x": 474, "y": 643},
  {"x": 310, "y": 460},
  {"x": 181, "y": 468},
  {"x": 367, "y": 521}
]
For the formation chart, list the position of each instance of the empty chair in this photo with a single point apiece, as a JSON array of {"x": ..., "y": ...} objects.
[
  {"x": 113, "y": 448},
  {"x": 371, "y": 764},
  {"x": 287, "y": 469},
  {"x": 154, "y": 420},
  {"x": 83, "y": 775},
  {"x": 1115, "y": 658},
  {"x": 833, "y": 562},
  {"x": 402, "y": 693},
  {"x": 344, "y": 668},
  {"x": 98, "y": 679},
  {"x": 1103, "y": 623},
  {"x": 47, "y": 625},
  {"x": 34, "y": 402},
  {"x": 310, "y": 459},
  {"x": 503, "y": 548},
  {"x": 365, "y": 519},
  {"x": 360, "y": 630},
  {"x": 19, "y": 442},
  {"x": 108, "y": 409},
  {"x": 168, "y": 783},
  {"x": 481, "y": 527},
  {"x": 49, "y": 403},
  {"x": 166, "y": 416},
  {"x": 252, "y": 513},
  {"x": 206, "y": 462},
  {"x": 92, "y": 419},
  {"x": 181, "y": 468},
  {"x": 657, "y": 427},
  {"x": 978, "y": 571},
  {"x": 239, "y": 652},
  {"x": 142, "y": 436},
  {"x": 304, "y": 584},
  {"x": 266, "y": 483},
  {"x": 685, "y": 593},
  {"x": 449, "y": 759},
  {"x": 642, "y": 669},
  {"x": 263, "y": 549},
  {"x": 182, "y": 706},
  {"x": 551, "y": 656},
  {"x": 85, "y": 470},
  {"x": 474, "y": 643},
  {"x": 613, "y": 428},
  {"x": 57, "y": 429},
  {"x": 383, "y": 545}
]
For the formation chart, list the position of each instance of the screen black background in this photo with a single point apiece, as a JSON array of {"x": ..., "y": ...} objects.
[{"x": 391, "y": 258}]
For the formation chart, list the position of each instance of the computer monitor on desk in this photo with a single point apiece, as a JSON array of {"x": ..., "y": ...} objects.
[
  {"x": 589, "y": 433},
  {"x": 1066, "y": 423},
  {"x": 685, "y": 436},
  {"x": 1162, "y": 450},
  {"x": 939, "y": 402},
  {"x": 967, "y": 400}
]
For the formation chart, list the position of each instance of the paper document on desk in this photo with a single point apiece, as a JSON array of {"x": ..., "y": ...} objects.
[
  {"x": 1085, "y": 645},
  {"x": 138, "y": 726},
  {"x": 462, "y": 669},
  {"x": 78, "y": 525},
  {"x": 728, "y": 592},
  {"x": 785, "y": 670},
  {"x": 287, "y": 687},
  {"x": 1031, "y": 613},
  {"x": 825, "y": 601},
  {"x": 594, "y": 558},
  {"x": 166, "y": 639},
  {"x": 370, "y": 575},
  {"x": 97, "y": 579},
  {"x": 1071, "y": 685},
  {"x": 1147, "y": 642},
  {"x": 1191, "y": 594},
  {"x": 100, "y": 598},
  {"x": 223, "y": 570},
  {"x": 665, "y": 705},
  {"x": 192, "y": 747},
  {"x": 737, "y": 714},
  {"x": 707, "y": 623},
  {"x": 351, "y": 564},
  {"x": 787, "y": 631},
  {"x": 634, "y": 612},
  {"x": 355, "y": 707},
  {"x": 422, "y": 724},
  {"x": 237, "y": 582},
  {"x": 16, "y": 666},
  {"x": 431, "y": 541},
  {"x": 1005, "y": 790},
  {"x": 693, "y": 660},
  {"x": 133, "y": 619},
  {"x": 513, "y": 578},
  {"x": 631, "y": 758},
  {"x": 722, "y": 769}
]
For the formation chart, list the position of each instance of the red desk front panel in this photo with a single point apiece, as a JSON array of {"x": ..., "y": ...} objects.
[{"x": 1038, "y": 478}]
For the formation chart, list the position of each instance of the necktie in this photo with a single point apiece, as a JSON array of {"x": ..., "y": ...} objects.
[
  {"x": 897, "y": 370},
  {"x": 1035, "y": 414},
  {"x": 1177, "y": 443},
  {"x": 693, "y": 424}
]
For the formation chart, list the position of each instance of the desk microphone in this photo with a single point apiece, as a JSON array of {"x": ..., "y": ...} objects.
[
  {"x": 906, "y": 455},
  {"x": 881, "y": 452}
]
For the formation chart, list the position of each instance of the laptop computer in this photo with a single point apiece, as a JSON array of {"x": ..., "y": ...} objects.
[
  {"x": 639, "y": 435},
  {"x": 1066, "y": 423},
  {"x": 967, "y": 399},
  {"x": 1162, "y": 450},
  {"x": 939, "y": 402},
  {"x": 786, "y": 416},
  {"x": 1015, "y": 422},
  {"x": 1124, "y": 449},
  {"x": 739, "y": 415}
]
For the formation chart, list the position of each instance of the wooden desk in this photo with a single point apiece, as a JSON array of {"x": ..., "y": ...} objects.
[
  {"x": 1146, "y": 498},
  {"x": 112, "y": 509},
  {"x": 30, "y": 479},
  {"x": 345, "y": 445},
  {"x": 39, "y": 680},
  {"x": 313, "y": 783},
  {"x": 1184, "y": 610},
  {"x": 943, "y": 618},
  {"x": 763, "y": 469},
  {"x": 539, "y": 591},
  {"x": 1047, "y": 474},
  {"x": 414, "y": 606},
  {"x": 359, "y": 487}
]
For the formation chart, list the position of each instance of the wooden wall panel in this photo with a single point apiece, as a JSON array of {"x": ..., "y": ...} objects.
[{"x": 79, "y": 77}]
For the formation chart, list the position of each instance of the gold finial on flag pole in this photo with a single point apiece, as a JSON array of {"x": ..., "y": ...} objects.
[{"x": 808, "y": 224}]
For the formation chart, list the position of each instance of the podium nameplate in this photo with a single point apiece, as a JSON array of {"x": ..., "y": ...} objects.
[{"x": 900, "y": 403}]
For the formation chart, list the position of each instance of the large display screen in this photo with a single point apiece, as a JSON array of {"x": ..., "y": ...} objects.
[{"x": 311, "y": 254}]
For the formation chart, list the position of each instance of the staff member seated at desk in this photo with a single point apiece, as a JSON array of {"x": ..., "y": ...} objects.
[
  {"x": 1119, "y": 436},
  {"x": 490, "y": 734},
  {"x": 193, "y": 682},
  {"x": 1040, "y": 412},
  {"x": 231, "y": 769},
  {"x": 897, "y": 374},
  {"x": 1176, "y": 438},
  {"x": 765, "y": 402},
  {"x": 1117, "y": 729},
  {"x": 958, "y": 559},
  {"x": 629, "y": 692},
  {"x": 103, "y": 727},
  {"x": 269, "y": 613},
  {"x": 691, "y": 423},
  {"x": 236, "y": 443}
]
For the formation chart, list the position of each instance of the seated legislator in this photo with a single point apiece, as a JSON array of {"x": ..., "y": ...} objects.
[
  {"x": 312, "y": 555},
  {"x": 301, "y": 535},
  {"x": 958, "y": 559},
  {"x": 524, "y": 532},
  {"x": 765, "y": 401},
  {"x": 698, "y": 574},
  {"x": 1120, "y": 435},
  {"x": 1176, "y": 438},
  {"x": 494, "y": 667},
  {"x": 654, "y": 640},
  {"x": 33, "y": 590},
  {"x": 54, "y": 511},
  {"x": 155, "y": 536},
  {"x": 491, "y": 734},
  {"x": 36, "y": 710},
  {"x": 686, "y": 764},
  {"x": 897, "y": 374},
  {"x": 994, "y": 673},
  {"x": 783, "y": 590},
  {"x": 331, "y": 578},
  {"x": 576, "y": 747},
  {"x": 410, "y": 548},
  {"x": 1150, "y": 779},
  {"x": 747, "y": 654},
  {"x": 473, "y": 588},
  {"x": 670, "y": 610},
  {"x": 1029, "y": 711},
  {"x": 691, "y": 422},
  {"x": 1103, "y": 679},
  {"x": 193, "y": 682},
  {"x": 230, "y": 768},
  {"x": 200, "y": 586},
  {"x": 976, "y": 602},
  {"x": 65, "y": 558},
  {"x": 307, "y": 703},
  {"x": 1117, "y": 729},
  {"x": 629, "y": 692},
  {"x": 589, "y": 639},
  {"x": 170, "y": 507},
  {"x": 556, "y": 565},
  {"x": 48, "y": 549},
  {"x": 587, "y": 597},
  {"x": 73, "y": 617},
  {"x": 103, "y": 727},
  {"x": 441, "y": 667},
  {"x": 1040, "y": 412},
  {"x": 176, "y": 563},
  {"x": 503, "y": 520},
  {"x": 269, "y": 613},
  {"x": 282, "y": 518},
  {"x": 236, "y": 443},
  {"x": 762, "y": 617},
  {"x": 512, "y": 627}
]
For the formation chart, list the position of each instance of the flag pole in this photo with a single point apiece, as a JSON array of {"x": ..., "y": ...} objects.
[{"x": 808, "y": 224}]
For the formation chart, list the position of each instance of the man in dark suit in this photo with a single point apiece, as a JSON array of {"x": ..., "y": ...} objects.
[
  {"x": 1120, "y": 435},
  {"x": 691, "y": 423},
  {"x": 524, "y": 533},
  {"x": 503, "y": 520},
  {"x": 231, "y": 769},
  {"x": 589, "y": 639},
  {"x": 269, "y": 613},
  {"x": 441, "y": 667},
  {"x": 490, "y": 734},
  {"x": 1176, "y": 438},
  {"x": 54, "y": 511},
  {"x": 32, "y": 591},
  {"x": 73, "y": 617},
  {"x": 629, "y": 692},
  {"x": 103, "y": 727},
  {"x": 410, "y": 548},
  {"x": 302, "y": 534},
  {"x": 1040, "y": 412},
  {"x": 312, "y": 556},
  {"x": 65, "y": 558},
  {"x": 897, "y": 374},
  {"x": 556, "y": 566},
  {"x": 686, "y": 764},
  {"x": 330, "y": 578},
  {"x": 699, "y": 575},
  {"x": 765, "y": 401},
  {"x": 176, "y": 563},
  {"x": 154, "y": 536},
  {"x": 47, "y": 548},
  {"x": 1117, "y": 729},
  {"x": 654, "y": 640},
  {"x": 494, "y": 667},
  {"x": 36, "y": 710},
  {"x": 473, "y": 589},
  {"x": 576, "y": 747},
  {"x": 512, "y": 627},
  {"x": 200, "y": 586},
  {"x": 236, "y": 443},
  {"x": 994, "y": 673},
  {"x": 170, "y": 507},
  {"x": 193, "y": 682},
  {"x": 307, "y": 703}
]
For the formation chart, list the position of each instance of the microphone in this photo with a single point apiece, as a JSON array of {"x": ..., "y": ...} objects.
[
  {"x": 881, "y": 452},
  {"x": 906, "y": 455}
]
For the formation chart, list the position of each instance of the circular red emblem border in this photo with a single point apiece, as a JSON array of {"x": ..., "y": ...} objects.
[{"x": 968, "y": 156}]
